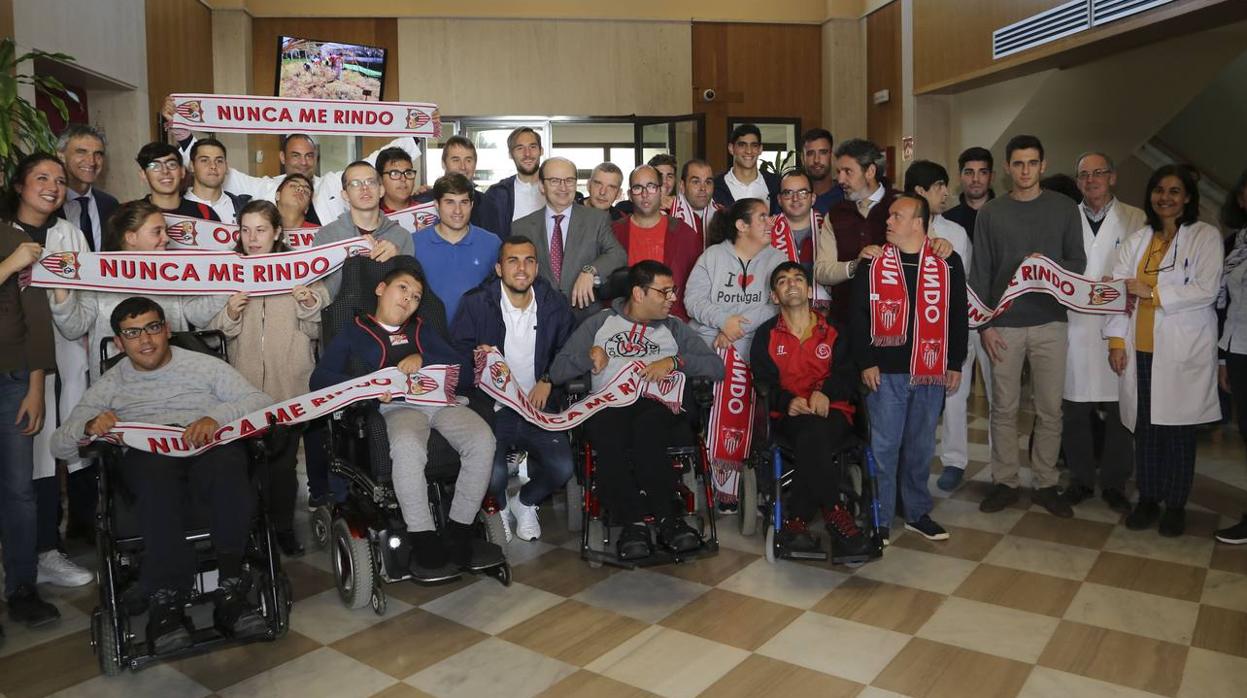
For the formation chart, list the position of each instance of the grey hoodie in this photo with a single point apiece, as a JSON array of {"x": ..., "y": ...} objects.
[
  {"x": 721, "y": 285},
  {"x": 344, "y": 229}
]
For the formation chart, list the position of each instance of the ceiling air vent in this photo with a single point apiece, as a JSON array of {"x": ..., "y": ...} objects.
[
  {"x": 1057, "y": 23},
  {"x": 1103, "y": 11}
]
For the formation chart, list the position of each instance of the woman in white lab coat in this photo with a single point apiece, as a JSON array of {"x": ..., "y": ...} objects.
[{"x": 1167, "y": 346}]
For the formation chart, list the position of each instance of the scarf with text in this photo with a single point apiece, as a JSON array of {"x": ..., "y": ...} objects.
[
  {"x": 189, "y": 272},
  {"x": 431, "y": 386},
  {"x": 281, "y": 115},
  {"x": 890, "y": 311},
  {"x": 729, "y": 435},
  {"x": 1041, "y": 274},
  {"x": 784, "y": 240},
  {"x": 186, "y": 233},
  {"x": 494, "y": 378}
]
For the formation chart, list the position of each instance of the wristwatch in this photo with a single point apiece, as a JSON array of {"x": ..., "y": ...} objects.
[
  {"x": 592, "y": 271},
  {"x": 850, "y": 268}
]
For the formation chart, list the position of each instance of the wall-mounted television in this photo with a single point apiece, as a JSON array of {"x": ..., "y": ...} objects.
[{"x": 310, "y": 68}]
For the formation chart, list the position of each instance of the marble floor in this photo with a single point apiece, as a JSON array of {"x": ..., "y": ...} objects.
[{"x": 1017, "y": 603}]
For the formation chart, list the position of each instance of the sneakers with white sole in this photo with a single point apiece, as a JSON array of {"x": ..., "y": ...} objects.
[
  {"x": 504, "y": 515},
  {"x": 57, "y": 569},
  {"x": 527, "y": 527}
]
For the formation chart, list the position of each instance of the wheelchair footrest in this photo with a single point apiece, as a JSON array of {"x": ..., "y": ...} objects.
[{"x": 802, "y": 555}]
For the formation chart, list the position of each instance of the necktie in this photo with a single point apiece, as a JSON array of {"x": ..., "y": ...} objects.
[
  {"x": 863, "y": 207},
  {"x": 556, "y": 248},
  {"x": 84, "y": 220}
]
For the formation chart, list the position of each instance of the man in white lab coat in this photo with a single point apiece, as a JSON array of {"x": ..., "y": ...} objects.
[{"x": 1090, "y": 384}]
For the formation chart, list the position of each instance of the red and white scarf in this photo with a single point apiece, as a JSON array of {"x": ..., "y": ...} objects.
[
  {"x": 189, "y": 272},
  {"x": 890, "y": 312},
  {"x": 431, "y": 386},
  {"x": 784, "y": 240},
  {"x": 729, "y": 434},
  {"x": 697, "y": 220},
  {"x": 186, "y": 233},
  {"x": 251, "y": 114},
  {"x": 1040, "y": 274}
]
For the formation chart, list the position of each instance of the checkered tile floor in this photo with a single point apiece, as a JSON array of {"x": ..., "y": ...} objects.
[{"x": 1017, "y": 603}]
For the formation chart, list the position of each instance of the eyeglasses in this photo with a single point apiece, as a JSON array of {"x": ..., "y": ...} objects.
[
  {"x": 400, "y": 174},
  {"x": 800, "y": 194},
  {"x": 564, "y": 182},
  {"x": 370, "y": 183},
  {"x": 153, "y": 327},
  {"x": 1097, "y": 174},
  {"x": 651, "y": 187},
  {"x": 668, "y": 292},
  {"x": 166, "y": 165},
  {"x": 1167, "y": 267}
]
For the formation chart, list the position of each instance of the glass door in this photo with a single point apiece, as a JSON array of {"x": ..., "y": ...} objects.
[
  {"x": 682, "y": 136},
  {"x": 493, "y": 159}
]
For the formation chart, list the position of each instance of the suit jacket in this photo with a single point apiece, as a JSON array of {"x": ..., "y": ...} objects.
[
  {"x": 105, "y": 202},
  {"x": 589, "y": 241}
]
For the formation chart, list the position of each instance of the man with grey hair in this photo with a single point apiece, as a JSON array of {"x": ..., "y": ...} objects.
[
  {"x": 605, "y": 183},
  {"x": 857, "y": 222},
  {"x": 520, "y": 194},
  {"x": 81, "y": 147},
  {"x": 1090, "y": 384}
]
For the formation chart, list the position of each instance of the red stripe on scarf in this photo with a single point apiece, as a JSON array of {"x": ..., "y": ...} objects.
[{"x": 889, "y": 312}]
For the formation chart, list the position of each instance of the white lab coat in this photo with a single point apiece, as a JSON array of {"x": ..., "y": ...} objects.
[
  {"x": 71, "y": 362},
  {"x": 1184, "y": 358},
  {"x": 327, "y": 198},
  {"x": 1088, "y": 377}
]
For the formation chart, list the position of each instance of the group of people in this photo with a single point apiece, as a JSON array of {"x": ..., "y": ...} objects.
[{"x": 845, "y": 295}]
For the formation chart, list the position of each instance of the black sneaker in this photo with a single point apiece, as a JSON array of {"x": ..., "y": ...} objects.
[
  {"x": 847, "y": 540},
  {"x": 1143, "y": 516},
  {"x": 428, "y": 552},
  {"x": 1234, "y": 535},
  {"x": 633, "y": 542},
  {"x": 885, "y": 535},
  {"x": 1116, "y": 501},
  {"x": 27, "y": 608},
  {"x": 166, "y": 622},
  {"x": 289, "y": 543},
  {"x": 1077, "y": 494},
  {"x": 468, "y": 551},
  {"x": 1050, "y": 498},
  {"x": 927, "y": 528},
  {"x": 795, "y": 537},
  {"x": 234, "y": 615},
  {"x": 729, "y": 508},
  {"x": 998, "y": 498},
  {"x": 315, "y": 502},
  {"x": 1173, "y": 522},
  {"x": 675, "y": 533}
]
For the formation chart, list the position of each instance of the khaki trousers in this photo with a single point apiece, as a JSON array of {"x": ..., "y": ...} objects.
[{"x": 1044, "y": 347}]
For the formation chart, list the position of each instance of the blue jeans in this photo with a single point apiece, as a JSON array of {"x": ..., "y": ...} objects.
[
  {"x": 549, "y": 458},
  {"x": 17, "y": 486},
  {"x": 902, "y": 435}
]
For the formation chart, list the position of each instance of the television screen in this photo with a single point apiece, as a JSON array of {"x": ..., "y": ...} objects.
[{"x": 329, "y": 70}]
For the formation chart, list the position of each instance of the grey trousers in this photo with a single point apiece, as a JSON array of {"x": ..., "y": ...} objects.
[
  {"x": 1115, "y": 464},
  {"x": 467, "y": 433}
]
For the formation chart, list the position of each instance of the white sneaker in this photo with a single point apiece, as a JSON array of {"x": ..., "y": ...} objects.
[
  {"x": 527, "y": 527},
  {"x": 57, "y": 569},
  {"x": 505, "y": 515}
]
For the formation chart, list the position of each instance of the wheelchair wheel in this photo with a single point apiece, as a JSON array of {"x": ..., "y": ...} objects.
[
  {"x": 494, "y": 532},
  {"x": 321, "y": 524},
  {"x": 105, "y": 642},
  {"x": 770, "y": 542},
  {"x": 352, "y": 566},
  {"x": 748, "y": 501},
  {"x": 575, "y": 501},
  {"x": 378, "y": 600},
  {"x": 502, "y": 573}
]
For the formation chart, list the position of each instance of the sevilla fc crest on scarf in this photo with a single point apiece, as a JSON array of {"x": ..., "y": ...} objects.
[
  {"x": 191, "y": 111},
  {"x": 1102, "y": 294},
  {"x": 63, "y": 264},
  {"x": 499, "y": 374},
  {"x": 183, "y": 233},
  {"x": 419, "y": 384}
]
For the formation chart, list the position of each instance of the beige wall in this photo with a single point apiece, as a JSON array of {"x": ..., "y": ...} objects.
[
  {"x": 569, "y": 67},
  {"x": 844, "y": 78},
  {"x": 231, "y": 72}
]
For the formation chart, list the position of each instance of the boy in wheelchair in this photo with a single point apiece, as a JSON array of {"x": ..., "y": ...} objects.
[
  {"x": 161, "y": 384},
  {"x": 802, "y": 362},
  {"x": 635, "y": 478},
  {"x": 393, "y": 336}
]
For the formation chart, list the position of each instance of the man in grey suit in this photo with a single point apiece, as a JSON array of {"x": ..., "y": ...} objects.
[{"x": 576, "y": 249}]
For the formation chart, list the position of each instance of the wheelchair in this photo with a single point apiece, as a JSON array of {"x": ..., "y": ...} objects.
[
  {"x": 688, "y": 457},
  {"x": 365, "y": 532},
  {"x": 118, "y": 620},
  {"x": 768, "y": 476}
]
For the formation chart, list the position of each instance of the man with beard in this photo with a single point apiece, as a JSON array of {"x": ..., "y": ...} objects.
[
  {"x": 975, "y": 165},
  {"x": 455, "y": 254},
  {"x": 816, "y": 160},
  {"x": 650, "y": 234},
  {"x": 743, "y": 180},
  {"x": 208, "y": 169},
  {"x": 520, "y": 194}
]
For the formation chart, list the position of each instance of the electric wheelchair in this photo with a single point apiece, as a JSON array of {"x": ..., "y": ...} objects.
[
  {"x": 365, "y": 532},
  {"x": 117, "y": 623}
]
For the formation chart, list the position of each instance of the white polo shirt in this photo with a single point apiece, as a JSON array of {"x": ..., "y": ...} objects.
[
  {"x": 520, "y": 345},
  {"x": 754, "y": 190}
]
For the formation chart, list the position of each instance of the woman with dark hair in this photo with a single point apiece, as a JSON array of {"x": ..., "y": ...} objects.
[
  {"x": 1167, "y": 347},
  {"x": 270, "y": 343},
  {"x": 1232, "y": 373}
]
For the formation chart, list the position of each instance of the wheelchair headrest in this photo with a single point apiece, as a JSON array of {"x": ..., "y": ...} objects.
[
  {"x": 360, "y": 277},
  {"x": 210, "y": 342}
]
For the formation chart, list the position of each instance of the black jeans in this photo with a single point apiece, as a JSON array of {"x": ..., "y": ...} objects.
[
  {"x": 281, "y": 484},
  {"x": 159, "y": 483},
  {"x": 1236, "y": 364},
  {"x": 635, "y": 475},
  {"x": 1116, "y": 462},
  {"x": 814, "y": 439}
]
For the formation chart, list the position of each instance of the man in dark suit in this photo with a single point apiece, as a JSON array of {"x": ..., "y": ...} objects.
[
  {"x": 81, "y": 148},
  {"x": 576, "y": 249}
]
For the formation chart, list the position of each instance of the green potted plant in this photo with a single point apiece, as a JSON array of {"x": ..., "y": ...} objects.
[{"x": 23, "y": 128}]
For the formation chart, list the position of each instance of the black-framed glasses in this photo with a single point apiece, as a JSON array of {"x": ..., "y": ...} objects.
[
  {"x": 153, "y": 327},
  {"x": 400, "y": 174},
  {"x": 800, "y": 194},
  {"x": 670, "y": 292},
  {"x": 1167, "y": 267},
  {"x": 166, "y": 165},
  {"x": 651, "y": 187}
]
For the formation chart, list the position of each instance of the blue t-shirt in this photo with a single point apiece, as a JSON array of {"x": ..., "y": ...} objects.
[
  {"x": 823, "y": 202},
  {"x": 454, "y": 269}
]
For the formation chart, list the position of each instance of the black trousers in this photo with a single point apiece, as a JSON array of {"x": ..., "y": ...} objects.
[
  {"x": 80, "y": 491},
  {"x": 217, "y": 477},
  {"x": 1236, "y": 364},
  {"x": 634, "y": 473},
  {"x": 1115, "y": 463},
  {"x": 281, "y": 484},
  {"x": 815, "y": 483}
]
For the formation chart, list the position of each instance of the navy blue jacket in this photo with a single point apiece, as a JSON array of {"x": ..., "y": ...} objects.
[
  {"x": 479, "y": 321},
  {"x": 363, "y": 347},
  {"x": 723, "y": 195},
  {"x": 502, "y": 197}
]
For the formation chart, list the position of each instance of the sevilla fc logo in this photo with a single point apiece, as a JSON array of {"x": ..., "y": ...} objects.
[
  {"x": 183, "y": 233},
  {"x": 416, "y": 119},
  {"x": 630, "y": 346},
  {"x": 1102, "y": 294},
  {"x": 823, "y": 352},
  {"x": 63, "y": 264},
  {"x": 357, "y": 251},
  {"x": 499, "y": 374},
  {"x": 191, "y": 111},
  {"x": 424, "y": 220},
  {"x": 930, "y": 352},
  {"x": 888, "y": 312},
  {"x": 666, "y": 385},
  {"x": 419, "y": 384},
  {"x": 733, "y": 439}
]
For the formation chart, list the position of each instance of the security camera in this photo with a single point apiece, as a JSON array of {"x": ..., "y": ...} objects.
[{"x": 709, "y": 94}]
